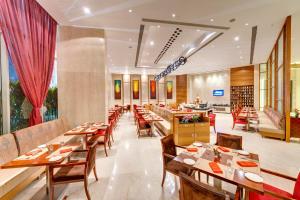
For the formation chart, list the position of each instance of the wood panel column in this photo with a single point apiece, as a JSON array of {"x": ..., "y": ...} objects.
[{"x": 181, "y": 89}]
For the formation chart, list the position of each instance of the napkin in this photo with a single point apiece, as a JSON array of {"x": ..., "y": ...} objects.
[
  {"x": 65, "y": 150},
  {"x": 247, "y": 164},
  {"x": 215, "y": 167},
  {"x": 33, "y": 152},
  {"x": 192, "y": 149},
  {"x": 224, "y": 149}
]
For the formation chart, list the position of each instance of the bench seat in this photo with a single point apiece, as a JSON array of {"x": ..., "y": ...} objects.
[
  {"x": 163, "y": 126},
  {"x": 267, "y": 128}
]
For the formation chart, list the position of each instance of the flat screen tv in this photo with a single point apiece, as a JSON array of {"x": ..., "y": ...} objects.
[{"x": 218, "y": 93}]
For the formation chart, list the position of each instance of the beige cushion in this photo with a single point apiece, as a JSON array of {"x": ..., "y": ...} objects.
[
  {"x": 31, "y": 137},
  {"x": 8, "y": 148},
  {"x": 271, "y": 130},
  {"x": 10, "y": 178},
  {"x": 65, "y": 139},
  {"x": 164, "y": 126}
]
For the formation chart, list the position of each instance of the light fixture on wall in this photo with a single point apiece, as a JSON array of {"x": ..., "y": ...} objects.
[{"x": 172, "y": 67}]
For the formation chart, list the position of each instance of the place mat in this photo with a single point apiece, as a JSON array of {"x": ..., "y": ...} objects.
[
  {"x": 91, "y": 130},
  {"x": 76, "y": 130},
  {"x": 210, "y": 156},
  {"x": 58, "y": 151},
  {"x": 25, "y": 157}
]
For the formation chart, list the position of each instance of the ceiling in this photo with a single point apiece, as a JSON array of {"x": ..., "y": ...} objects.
[{"x": 122, "y": 20}]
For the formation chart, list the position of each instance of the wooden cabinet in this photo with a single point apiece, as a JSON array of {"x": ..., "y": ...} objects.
[
  {"x": 186, "y": 134},
  {"x": 295, "y": 127}
]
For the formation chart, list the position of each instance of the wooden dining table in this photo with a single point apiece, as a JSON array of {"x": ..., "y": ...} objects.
[
  {"x": 87, "y": 129},
  {"x": 151, "y": 117},
  {"x": 42, "y": 156},
  {"x": 205, "y": 155}
]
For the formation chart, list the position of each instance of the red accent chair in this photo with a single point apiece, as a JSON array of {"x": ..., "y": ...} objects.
[
  {"x": 238, "y": 121},
  {"x": 212, "y": 121},
  {"x": 273, "y": 193},
  {"x": 142, "y": 125}
]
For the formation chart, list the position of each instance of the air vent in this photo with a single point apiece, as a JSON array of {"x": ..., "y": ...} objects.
[{"x": 168, "y": 44}]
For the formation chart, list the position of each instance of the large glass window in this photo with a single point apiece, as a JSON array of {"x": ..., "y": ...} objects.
[
  {"x": 20, "y": 108},
  {"x": 263, "y": 85}
]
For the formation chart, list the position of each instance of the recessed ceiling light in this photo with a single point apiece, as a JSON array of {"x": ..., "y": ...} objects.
[
  {"x": 182, "y": 46},
  {"x": 236, "y": 38},
  {"x": 212, "y": 20},
  {"x": 241, "y": 57},
  {"x": 130, "y": 10},
  {"x": 173, "y": 15},
  {"x": 198, "y": 30},
  {"x": 238, "y": 46},
  {"x": 151, "y": 43},
  {"x": 130, "y": 39},
  {"x": 86, "y": 10},
  {"x": 158, "y": 26},
  {"x": 246, "y": 24}
]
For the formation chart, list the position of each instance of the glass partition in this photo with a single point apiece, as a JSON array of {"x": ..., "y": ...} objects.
[
  {"x": 262, "y": 86},
  {"x": 280, "y": 75}
]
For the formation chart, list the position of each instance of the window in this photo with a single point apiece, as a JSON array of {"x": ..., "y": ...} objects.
[{"x": 262, "y": 86}]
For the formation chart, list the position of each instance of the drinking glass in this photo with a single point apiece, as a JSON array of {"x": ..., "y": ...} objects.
[{"x": 229, "y": 170}]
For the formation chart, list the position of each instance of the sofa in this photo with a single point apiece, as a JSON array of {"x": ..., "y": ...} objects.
[
  {"x": 15, "y": 144},
  {"x": 271, "y": 124},
  {"x": 166, "y": 125}
]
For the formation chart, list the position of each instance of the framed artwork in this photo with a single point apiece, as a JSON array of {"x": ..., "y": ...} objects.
[
  {"x": 152, "y": 89},
  {"x": 117, "y": 87},
  {"x": 135, "y": 89},
  {"x": 169, "y": 89}
]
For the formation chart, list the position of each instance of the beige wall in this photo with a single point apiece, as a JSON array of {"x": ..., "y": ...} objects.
[
  {"x": 295, "y": 74},
  {"x": 256, "y": 86},
  {"x": 202, "y": 85},
  {"x": 82, "y": 75}
]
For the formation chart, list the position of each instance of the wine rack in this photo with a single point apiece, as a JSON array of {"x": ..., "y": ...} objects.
[{"x": 242, "y": 96}]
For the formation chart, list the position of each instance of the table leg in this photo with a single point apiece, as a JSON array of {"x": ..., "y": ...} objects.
[
  {"x": 217, "y": 183},
  {"x": 47, "y": 180}
]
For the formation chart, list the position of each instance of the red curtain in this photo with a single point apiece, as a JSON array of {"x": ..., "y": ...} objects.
[{"x": 30, "y": 36}]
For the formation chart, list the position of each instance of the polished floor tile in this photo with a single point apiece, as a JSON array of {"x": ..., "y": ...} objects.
[{"x": 133, "y": 169}]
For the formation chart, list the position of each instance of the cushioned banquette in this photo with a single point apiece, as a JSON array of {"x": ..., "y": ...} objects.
[
  {"x": 271, "y": 124},
  {"x": 12, "y": 145},
  {"x": 165, "y": 126}
]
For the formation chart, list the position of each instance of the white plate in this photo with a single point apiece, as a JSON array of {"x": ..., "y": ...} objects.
[
  {"x": 197, "y": 144},
  {"x": 42, "y": 146},
  {"x": 189, "y": 161},
  {"x": 254, "y": 177},
  {"x": 244, "y": 153},
  {"x": 55, "y": 158}
]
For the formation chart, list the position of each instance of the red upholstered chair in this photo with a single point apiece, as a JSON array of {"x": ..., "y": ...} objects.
[
  {"x": 212, "y": 121},
  {"x": 142, "y": 125},
  {"x": 238, "y": 121},
  {"x": 273, "y": 193}
]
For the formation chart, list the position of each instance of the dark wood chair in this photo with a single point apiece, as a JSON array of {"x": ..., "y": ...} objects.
[
  {"x": 74, "y": 171},
  {"x": 190, "y": 189},
  {"x": 229, "y": 141},
  {"x": 271, "y": 192},
  {"x": 169, "y": 152}
]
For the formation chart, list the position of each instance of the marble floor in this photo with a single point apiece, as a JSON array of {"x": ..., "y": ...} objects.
[{"x": 133, "y": 169}]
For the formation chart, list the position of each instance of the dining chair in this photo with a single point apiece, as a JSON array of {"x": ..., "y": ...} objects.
[
  {"x": 230, "y": 141},
  {"x": 212, "y": 121},
  {"x": 237, "y": 120},
  {"x": 74, "y": 171},
  {"x": 142, "y": 125},
  {"x": 102, "y": 138},
  {"x": 274, "y": 193},
  {"x": 191, "y": 189},
  {"x": 169, "y": 152}
]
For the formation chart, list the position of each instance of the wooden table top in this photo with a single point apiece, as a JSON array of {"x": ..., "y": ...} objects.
[
  {"x": 43, "y": 159},
  {"x": 87, "y": 128},
  {"x": 206, "y": 155}
]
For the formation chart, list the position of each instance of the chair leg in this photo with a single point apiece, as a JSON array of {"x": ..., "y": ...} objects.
[
  {"x": 51, "y": 192},
  {"x": 86, "y": 189},
  {"x": 112, "y": 137},
  {"x": 105, "y": 149},
  {"x": 215, "y": 128},
  {"x": 163, "y": 180},
  {"x": 233, "y": 125},
  {"x": 95, "y": 173}
]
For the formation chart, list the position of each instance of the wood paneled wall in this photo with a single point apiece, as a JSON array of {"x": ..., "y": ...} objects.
[
  {"x": 241, "y": 76},
  {"x": 181, "y": 89}
]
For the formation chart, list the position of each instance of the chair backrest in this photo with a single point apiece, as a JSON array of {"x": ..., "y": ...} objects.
[
  {"x": 229, "y": 141},
  {"x": 91, "y": 157},
  {"x": 168, "y": 147},
  {"x": 233, "y": 115},
  {"x": 296, "y": 194},
  {"x": 190, "y": 189}
]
